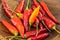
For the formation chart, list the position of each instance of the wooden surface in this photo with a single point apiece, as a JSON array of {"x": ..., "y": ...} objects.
[{"x": 54, "y": 6}]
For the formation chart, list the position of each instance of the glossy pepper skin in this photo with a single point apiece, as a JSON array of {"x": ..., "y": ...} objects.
[
  {"x": 20, "y": 6},
  {"x": 43, "y": 4},
  {"x": 17, "y": 22},
  {"x": 36, "y": 4},
  {"x": 33, "y": 15},
  {"x": 10, "y": 27},
  {"x": 33, "y": 32}
]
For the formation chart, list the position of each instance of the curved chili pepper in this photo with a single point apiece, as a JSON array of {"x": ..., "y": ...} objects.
[
  {"x": 10, "y": 27},
  {"x": 33, "y": 15},
  {"x": 20, "y": 6},
  {"x": 50, "y": 24},
  {"x": 42, "y": 36},
  {"x": 48, "y": 12},
  {"x": 33, "y": 32},
  {"x": 36, "y": 4},
  {"x": 39, "y": 37},
  {"x": 17, "y": 22}
]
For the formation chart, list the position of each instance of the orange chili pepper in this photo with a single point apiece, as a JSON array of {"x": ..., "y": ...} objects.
[{"x": 34, "y": 15}]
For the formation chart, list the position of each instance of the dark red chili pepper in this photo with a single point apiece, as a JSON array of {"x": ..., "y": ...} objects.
[
  {"x": 10, "y": 27},
  {"x": 33, "y": 32},
  {"x": 36, "y": 4},
  {"x": 42, "y": 36},
  {"x": 39, "y": 37},
  {"x": 27, "y": 13},
  {"x": 17, "y": 22},
  {"x": 43, "y": 4},
  {"x": 20, "y": 6},
  {"x": 50, "y": 24}
]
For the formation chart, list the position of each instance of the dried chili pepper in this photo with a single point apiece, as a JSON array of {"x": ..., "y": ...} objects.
[
  {"x": 10, "y": 27},
  {"x": 17, "y": 22},
  {"x": 36, "y": 4},
  {"x": 50, "y": 24},
  {"x": 20, "y": 6},
  {"x": 33, "y": 15},
  {"x": 48, "y": 12},
  {"x": 33, "y": 32}
]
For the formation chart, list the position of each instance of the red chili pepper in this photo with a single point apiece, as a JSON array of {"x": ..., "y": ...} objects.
[
  {"x": 33, "y": 32},
  {"x": 27, "y": 13},
  {"x": 20, "y": 6},
  {"x": 50, "y": 24},
  {"x": 10, "y": 27},
  {"x": 33, "y": 6},
  {"x": 17, "y": 22},
  {"x": 6, "y": 8},
  {"x": 36, "y": 4},
  {"x": 39, "y": 37},
  {"x": 42, "y": 36},
  {"x": 43, "y": 4}
]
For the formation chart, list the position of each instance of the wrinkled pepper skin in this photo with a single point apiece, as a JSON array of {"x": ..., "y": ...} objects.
[
  {"x": 10, "y": 27},
  {"x": 18, "y": 24},
  {"x": 43, "y": 4}
]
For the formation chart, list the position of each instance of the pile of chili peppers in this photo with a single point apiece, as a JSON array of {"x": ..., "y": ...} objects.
[{"x": 33, "y": 23}]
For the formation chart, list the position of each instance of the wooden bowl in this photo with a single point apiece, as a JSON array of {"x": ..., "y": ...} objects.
[{"x": 53, "y": 5}]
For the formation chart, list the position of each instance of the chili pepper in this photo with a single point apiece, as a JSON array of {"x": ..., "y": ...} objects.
[
  {"x": 48, "y": 12},
  {"x": 33, "y": 32},
  {"x": 33, "y": 15},
  {"x": 39, "y": 37},
  {"x": 10, "y": 27},
  {"x": 6, "y": 8},
  {"x": 26, "y": 16},
  {"x": 36, "y": 4},
  {"x": 50, "y": 24},
  {"x": 17, "y": 22},
  {"x": 20, "y": 6},
  {"x": 42, "y": 36}
]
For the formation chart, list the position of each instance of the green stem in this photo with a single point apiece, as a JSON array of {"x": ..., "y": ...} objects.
[
  {"x": 36, "y": 28},
  {"x": 27, "y": 5},
  {"x": 54, "y": 27},
  {"x": 30, "y": 26}
]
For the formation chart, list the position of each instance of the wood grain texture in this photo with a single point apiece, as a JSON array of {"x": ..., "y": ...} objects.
[{"x": 53, "y": 5}]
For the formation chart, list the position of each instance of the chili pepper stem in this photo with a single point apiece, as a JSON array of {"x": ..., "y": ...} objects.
[
  {"x": 36, "y": 28},
  {"x": 30, "y": 24},
  {"x": 27, "y": 5},
  {"x": 54, "y": 27},
  {"x": 29, "y": 39}
]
